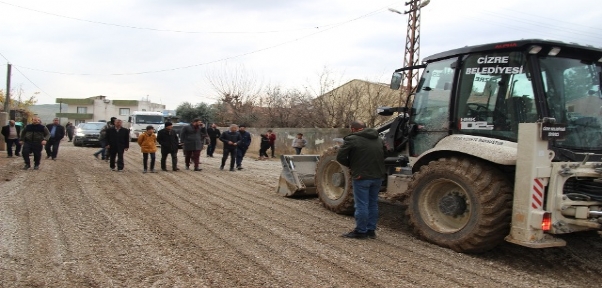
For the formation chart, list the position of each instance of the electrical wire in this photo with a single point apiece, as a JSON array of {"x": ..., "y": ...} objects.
[
  {"x": 34, "y": 84},
  {"x": 168, "y": 30},
  {"x": 214, "y": 61},
  {"x": 22, "y": 74}
]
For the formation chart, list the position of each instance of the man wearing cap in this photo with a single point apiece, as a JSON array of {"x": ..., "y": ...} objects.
[{"x": 168, "y": 139}]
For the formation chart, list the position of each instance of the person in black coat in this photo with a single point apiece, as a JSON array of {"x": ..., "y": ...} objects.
[
  {"x": 264, "y": 145},
  {"x": 168, "y": 139},
  {"x": 70, "y": 129},
  {"x": 11, "y": 134},
  {"x": 57, "y": 132},
  {"x": 231, "y": 140},
  {"x": 241, "y": 150},
  {"x": 214, "y": 134},
  {"x": 118, "y": 141}
]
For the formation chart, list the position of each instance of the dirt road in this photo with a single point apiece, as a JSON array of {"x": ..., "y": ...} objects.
[{"x": 74, "y": 223}]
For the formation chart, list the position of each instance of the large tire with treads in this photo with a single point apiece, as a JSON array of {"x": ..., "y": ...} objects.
[
  {"x": 333, "y": 183},
  {"x": 464, "y": 204}
]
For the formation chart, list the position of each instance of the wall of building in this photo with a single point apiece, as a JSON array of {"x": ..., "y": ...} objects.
[{"x": 47, "y": 112}]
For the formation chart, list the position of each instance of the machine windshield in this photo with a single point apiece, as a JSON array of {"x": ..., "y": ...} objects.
[
  {"x": 149, "y": 119},
  {"x": 572, "y": 90}
]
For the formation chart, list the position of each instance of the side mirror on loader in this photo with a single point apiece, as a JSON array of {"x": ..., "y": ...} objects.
[{"x": 396, "y": 80}]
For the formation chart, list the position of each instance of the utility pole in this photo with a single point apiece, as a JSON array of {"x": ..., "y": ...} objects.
[
  {"x": 412, "y": 47},
  {"x": 7, "y": 93}
]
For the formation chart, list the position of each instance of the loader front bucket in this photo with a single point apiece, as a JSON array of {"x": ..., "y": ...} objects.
[{"x": 297, "y": 177}]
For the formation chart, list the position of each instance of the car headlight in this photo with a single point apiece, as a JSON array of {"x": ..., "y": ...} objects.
[{"x": 80, "y": 134}]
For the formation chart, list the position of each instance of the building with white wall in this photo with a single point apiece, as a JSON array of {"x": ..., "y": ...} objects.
[{"x": 97, "y": 108}]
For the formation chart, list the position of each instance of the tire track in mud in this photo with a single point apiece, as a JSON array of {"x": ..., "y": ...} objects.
[
  {"x": 286, "y": 254},
  {"x": 289, "y": 206},
  {"x": 42, "y": 235},
  {"x": 339, "y": 251},
  {"x": 217, "y": 228},
  {"x": 477, "y": 269},
  {"x": 420, "y": 258},
  {"x": 14, "y": 238},
  {"x": 117, "y": 204},
  {"x": 81, "y": 222},
  {"x": 187, "y": 200},
  {"x": 233, "y": 228},
  {"x": 136, "y": 204}
]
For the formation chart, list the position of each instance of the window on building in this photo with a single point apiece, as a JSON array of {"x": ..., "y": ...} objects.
[
  {"x": 77, "y": 122},
  {"x": 82, "y": 110},
  {"x": 124, "y": 111}
]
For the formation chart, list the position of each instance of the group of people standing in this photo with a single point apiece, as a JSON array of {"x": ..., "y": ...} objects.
[
  {"x": 192, "y": 138},
  {"x": 114, "y": 141},
  {"x": 32, "y": 139}
]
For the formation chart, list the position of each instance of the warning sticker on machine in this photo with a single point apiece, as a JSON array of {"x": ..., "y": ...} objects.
[
  {"x": 553, "y": 131},
  {"x": 480, "y": 125}
]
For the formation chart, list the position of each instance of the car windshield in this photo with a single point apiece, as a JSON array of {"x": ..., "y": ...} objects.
[
  {"x": 572, "y": 89},
  {"x": 92, "y": 126}
]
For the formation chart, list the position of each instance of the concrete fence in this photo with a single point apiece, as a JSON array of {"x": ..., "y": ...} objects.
[{"x": 318, "y": 139}]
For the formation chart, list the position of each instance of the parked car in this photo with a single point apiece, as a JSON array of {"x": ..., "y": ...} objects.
[{"x": 88, "y": 134}]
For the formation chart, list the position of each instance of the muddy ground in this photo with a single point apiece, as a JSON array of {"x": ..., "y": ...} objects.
[{"x": 74, "y": 223}]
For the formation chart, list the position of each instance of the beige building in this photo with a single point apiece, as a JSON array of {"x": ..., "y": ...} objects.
[
  {"x": 96, "y": 108},
  {"x": 357, "y": 100}
]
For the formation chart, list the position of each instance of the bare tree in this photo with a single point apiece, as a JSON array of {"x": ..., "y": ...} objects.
[
  {"x": 286, "y": 108},
  {"x": 238, "y": 90},
  {"x": 333, "y": 107},
  {"x": 376, "y": 95}
]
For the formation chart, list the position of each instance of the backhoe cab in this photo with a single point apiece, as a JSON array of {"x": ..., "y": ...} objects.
[{"x": 499, "y": 141}]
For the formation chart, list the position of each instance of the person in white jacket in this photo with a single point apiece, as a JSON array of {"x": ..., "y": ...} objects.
[{"x": 299, "y": 143}]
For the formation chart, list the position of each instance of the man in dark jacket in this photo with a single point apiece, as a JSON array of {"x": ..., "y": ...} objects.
[
  {"x": 168, "y": 139},
  {"x": 214, "y": 134},
  {"x": 231, "y": 140},
  {"x": 193, "y": 137},
  {"x": 102, "y": 138},
  {"x": 11, "y": 134},
  {"x": 57, "y": 132},
  {"x": 118, "y": 141},
  {"x": 243, "y": 146},
  {"x": 363, "y": 152},
  {"x": 33, "y": 138},
  {"x": 70, "y": 130}
]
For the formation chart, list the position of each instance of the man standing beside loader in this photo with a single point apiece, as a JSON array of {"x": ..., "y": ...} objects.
[{"x": 363, "y": 152}]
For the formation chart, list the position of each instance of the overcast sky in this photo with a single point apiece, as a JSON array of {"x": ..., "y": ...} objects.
[{"x": 165, "y": 49}]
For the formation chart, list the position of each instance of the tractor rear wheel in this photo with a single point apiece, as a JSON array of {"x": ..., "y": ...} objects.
[
  {"x": 333, "y": 183},
  {"x": 462, "y": 204}
]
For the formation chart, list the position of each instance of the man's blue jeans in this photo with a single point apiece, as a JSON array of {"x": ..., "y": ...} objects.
[{"x": 365, "y": 194}]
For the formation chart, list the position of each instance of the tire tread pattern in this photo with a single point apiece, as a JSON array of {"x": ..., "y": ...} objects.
[
  {"x": 345, "y": 205},
  {"x": 493, "y": 210}
]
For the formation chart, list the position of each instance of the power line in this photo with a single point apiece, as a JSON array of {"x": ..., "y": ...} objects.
[
  {"x": 34, "y": 84},
  {"x": 166, "y": 30},
  {"x": 22, "y": 74},
  {"x": 218, "y": 60}
]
